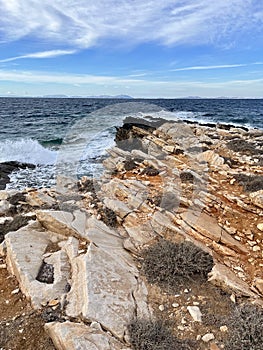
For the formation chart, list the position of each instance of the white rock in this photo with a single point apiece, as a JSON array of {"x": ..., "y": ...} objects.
[
  {"x": 260, "y": 226},
  {"x": 195, "y": 312},
  {"x": 75, "y": 336},
  {"x": 257, "y": 198},
  {"x": 24, "y": 257},
  {"x": 208, "y": 337},
  {"x": 103, "y": 288}
]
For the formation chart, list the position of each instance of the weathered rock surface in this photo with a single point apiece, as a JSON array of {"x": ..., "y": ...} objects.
[
  {"x": 25, "y": 250},
  {"x": 103, "y": 290},
  {"x": 75, "y": 336}
]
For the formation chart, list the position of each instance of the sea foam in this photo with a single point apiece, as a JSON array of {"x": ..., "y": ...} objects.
[{"x": 26, "y": 151}]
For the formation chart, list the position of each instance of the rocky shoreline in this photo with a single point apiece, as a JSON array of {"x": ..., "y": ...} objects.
[{"x": 78, "y": 252}]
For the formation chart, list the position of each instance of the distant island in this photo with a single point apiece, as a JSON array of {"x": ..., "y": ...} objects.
[{"x": 99, "y": 96}]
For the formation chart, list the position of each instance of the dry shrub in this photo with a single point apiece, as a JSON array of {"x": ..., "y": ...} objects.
[
  {"x": 169, "y": 264},
  {"x": 155, "y": 335},
  {"x": 246, "y": 328}
]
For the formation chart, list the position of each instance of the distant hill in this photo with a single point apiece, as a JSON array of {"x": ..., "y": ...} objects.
[{"x": 99, "y": 96}]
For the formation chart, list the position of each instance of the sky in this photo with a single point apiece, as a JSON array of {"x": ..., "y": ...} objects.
[{"x": 141, "y": 48}]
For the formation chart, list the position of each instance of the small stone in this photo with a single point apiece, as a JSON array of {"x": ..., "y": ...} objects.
[
  {"x": 2, "y": 266},
  {"x": 208, "y": 337},
  {"x": 21, "y": 330},
  {"x": 223, "y": 329},
  {"x": 161, "y": 308},
  {"x": 181, "y": 328},
  {"x": 237, "y": 238},
  {"x": 186, "y": 291},
  {"x": 260, "y": 226},
  {"x": 233, "y": 298},
  {"x": 15, "y": 291},
  {"x": 53, "y": 302},
  {"x": 175, "y": 305},
  {"x": 195, "y": 312},
  {"x": 256, "y": 248}
]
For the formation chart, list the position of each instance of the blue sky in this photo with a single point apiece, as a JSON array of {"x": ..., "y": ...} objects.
[{"x": 150, "y": 48}]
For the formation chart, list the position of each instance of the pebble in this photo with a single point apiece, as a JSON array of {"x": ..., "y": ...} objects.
[
  {"x": 195, "y": 312},
  {"x": 208, "y": 337},
  {"x": 15, "y": 291},
  {"x": 2, "y": 266},
  {"x": 233, "y": 298},
  {"x": 161, "y": 308},
  {"x": 260, "y": 226},
  {"x": 223, "y": 329},
  {"x": 175, "y": 305},
  {"x": 256, "y": 248}
]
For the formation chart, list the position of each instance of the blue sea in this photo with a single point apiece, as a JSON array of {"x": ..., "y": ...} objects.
[{"x": 71, "y": 135}]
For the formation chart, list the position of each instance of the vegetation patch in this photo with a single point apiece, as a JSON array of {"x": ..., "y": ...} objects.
[
  {"x": 168, "y": 264},
  {"x": 244, "y": 147},
  {"x": 155, "y": 335},
  {"x": 245, "y": 328},
  {"x": 108, "y": 216},
  {"x": 250, "y": 183}
]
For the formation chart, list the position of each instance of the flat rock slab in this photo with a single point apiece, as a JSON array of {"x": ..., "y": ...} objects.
[
  {"x": 24, "y": 251},
  {"x": 204, "y": 224},
  {"x": 64, "y": 223},
  {"x": 75, "y": 336},
  {"x": 105, "y": 289}
]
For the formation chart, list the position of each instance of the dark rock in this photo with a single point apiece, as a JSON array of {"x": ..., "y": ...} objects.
[
  {"x": 46, "y": 273},
  {"x": 7, "y": 168},
  {"x": 131, "y": 164},
  {"x": 18, "y": 222},
  {"x": 16, "y": 198}
]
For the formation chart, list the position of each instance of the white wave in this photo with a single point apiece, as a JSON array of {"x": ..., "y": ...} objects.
[{"x": 26, "y": 151}]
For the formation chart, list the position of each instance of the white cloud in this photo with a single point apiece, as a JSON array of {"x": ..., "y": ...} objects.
[
  {"x": 137, "y": 87},
  {"x": 222, "y": 66},
  {"x": 43, "y": 54},
  {"x": 85, "y": 23}
]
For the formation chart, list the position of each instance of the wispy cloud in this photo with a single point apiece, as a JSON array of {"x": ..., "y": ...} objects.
[
  {"x": 43, "y": 54},
  {"x": 222, "y": 66},
  {"x": 83, "y": 23},
  {"x": 60, "y": 78}
]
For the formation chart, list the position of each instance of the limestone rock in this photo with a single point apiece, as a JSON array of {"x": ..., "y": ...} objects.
[
  {"x": 24, "y": 250},
  {"x": 211, "y": 158},
  {"x": 75, "y": 336},
  {"x": 103, "y": 290},
  {"x": 257, "y": 198},
  {"x": 223, "y": 277},
  {"x": 4, "y": 207},
  {"x": 195, "y": 312},
  {"x": 64, "y": 223},
  {"x": 39, "y": 198},
  {"x": 120, "y": 208}
]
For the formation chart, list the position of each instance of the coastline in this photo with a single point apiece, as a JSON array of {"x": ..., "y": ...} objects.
[{"x": 177, "y": 182}]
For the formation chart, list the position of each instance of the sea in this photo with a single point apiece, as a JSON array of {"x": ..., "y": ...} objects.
[{"x": 70, "y": 136}]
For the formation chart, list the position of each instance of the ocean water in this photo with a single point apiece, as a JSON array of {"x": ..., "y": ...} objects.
[{"x": 70, "y": 136}]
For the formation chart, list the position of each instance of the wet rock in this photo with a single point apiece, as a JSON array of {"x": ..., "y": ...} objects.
[
  {"x": 12, "y": 225},
  {"x": 7, "y": 168}
]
